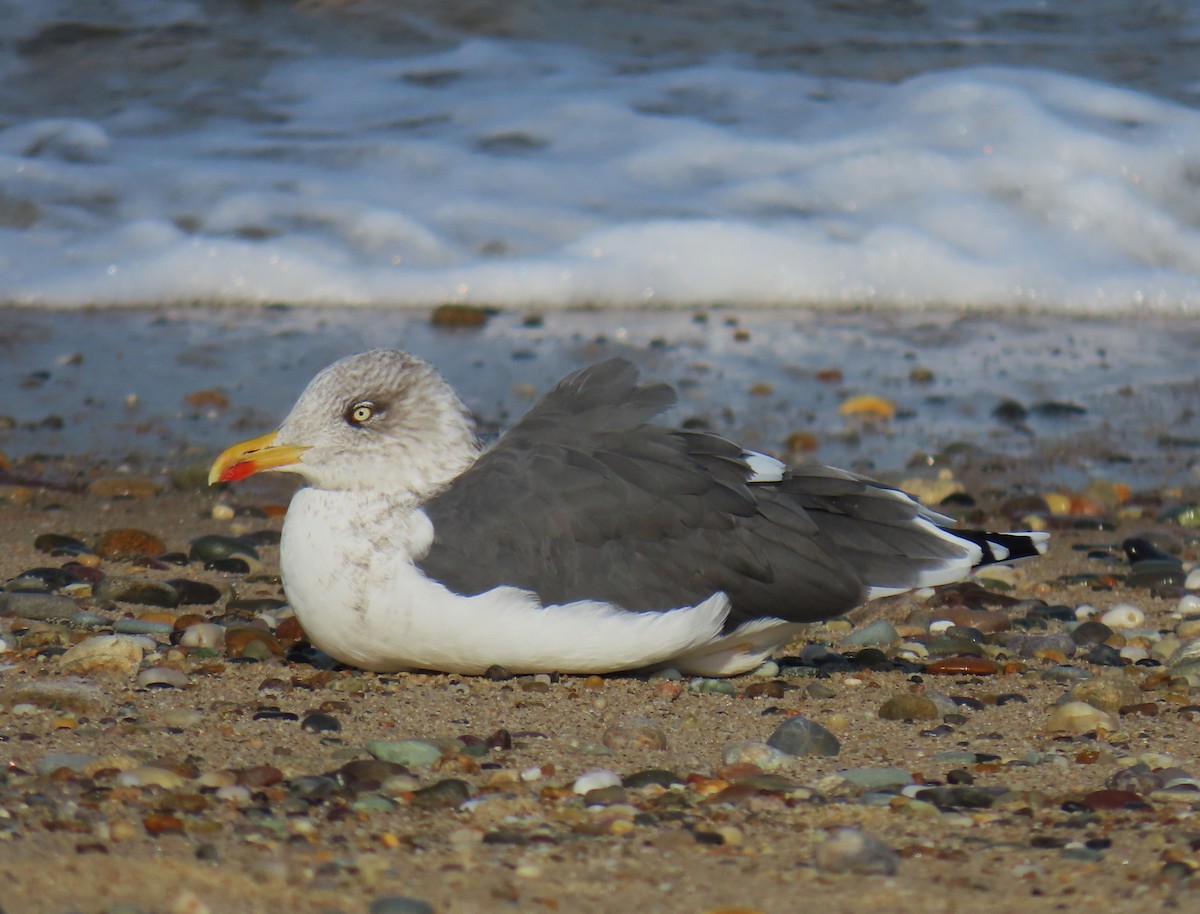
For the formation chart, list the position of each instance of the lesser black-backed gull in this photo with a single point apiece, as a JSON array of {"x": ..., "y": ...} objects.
[{"x": 587, "y": 539}]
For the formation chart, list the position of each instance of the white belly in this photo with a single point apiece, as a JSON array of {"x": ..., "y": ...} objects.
[{"x": 348, "y": 574}]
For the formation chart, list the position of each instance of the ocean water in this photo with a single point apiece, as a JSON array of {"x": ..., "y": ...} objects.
[{"x": 974, "y": 154}]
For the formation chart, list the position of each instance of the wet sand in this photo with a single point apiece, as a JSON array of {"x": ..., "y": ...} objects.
[{"x": 988, "y": 808}]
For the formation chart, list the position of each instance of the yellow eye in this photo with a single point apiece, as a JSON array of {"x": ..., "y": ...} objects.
[{"x": 361, "y": 413}]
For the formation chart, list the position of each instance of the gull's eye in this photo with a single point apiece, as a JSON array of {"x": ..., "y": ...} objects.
[{"x": 361, "y": 413}]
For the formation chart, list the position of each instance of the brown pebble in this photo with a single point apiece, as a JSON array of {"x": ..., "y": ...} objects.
[
  {"x": 963, "y": 665},
  {"x": 187, "y": 620},
  {"x": 161, "y": 823},
  {"x": 1145, "y": 709},
  {"x": 772, "y": 689},
  {"x": 668, "y": 690},
  {"x": 258, "y": 776},
  {"x": 290, "y": 630},
  {"x": 456, "y": 316},
  {"x": 1114, "y": 799},
  {"x": 594, "y": 683},
  {"x": 128, "y": 543},
  {"x": 237, "y": 640},
  {"x": 123, "y": 487}
]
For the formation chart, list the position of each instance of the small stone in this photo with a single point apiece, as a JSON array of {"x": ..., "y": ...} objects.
[
  {"x": 596, "y": 779},
  {"x": 908, "y": 706},
  {"x": 151, "y": 776},
  {"x": 137, "y": 590},
  {"x": 58, "y": 543},
  {"x": 637, "y": 733},
  {"x": 1113, "y": 799},
  {"x": 876, "y": 778},
  {"x": 161, "y": 823},
  {"x": 203, "y": 635},
  {"x": 450, "y": 793},
  {"x": 1077, "y": 718},
  {"x": 1108, "y": 693},
  {"x": 114, "y": 656},
  {"x": 880, "y": 633},
  {"x": 252, "y": 642},
  {"x": 128, "y": 543},
  {"x": 1123, "y": 616},
  {"x": 760, "y": 755},
  {"x": 55, "y": 761},
  {"x": 75, "y": 696},
  {"x": 214, "y": 547},
  {"x": 320, "y": 722},
  {"x": 195, "y": 593},
  {"x": 801, "y": 736},
  {"x": 42, "y": 607},
  {"x": 964, "y": 665},
  {"x": 412, "y": 753},
  {"x": 848, "y": 850}
]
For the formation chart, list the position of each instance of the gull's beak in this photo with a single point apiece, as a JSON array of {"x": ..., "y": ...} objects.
[{"x": 254, "y": 456}]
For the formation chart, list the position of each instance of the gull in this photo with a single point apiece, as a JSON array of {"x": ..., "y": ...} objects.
[{"x": 588, "y": 539}]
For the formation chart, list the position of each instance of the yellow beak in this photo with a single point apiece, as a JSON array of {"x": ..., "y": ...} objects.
[{"x": 253, "y": 456}]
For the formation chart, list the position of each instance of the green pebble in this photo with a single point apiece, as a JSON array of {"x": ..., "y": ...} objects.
[{"x": 411, "y": 753}]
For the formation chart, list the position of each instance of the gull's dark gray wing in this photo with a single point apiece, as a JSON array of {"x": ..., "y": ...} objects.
[{"x": 586, "y": 499}]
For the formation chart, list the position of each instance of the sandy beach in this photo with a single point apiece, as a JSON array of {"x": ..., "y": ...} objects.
[{"x": 997, "y": 747}]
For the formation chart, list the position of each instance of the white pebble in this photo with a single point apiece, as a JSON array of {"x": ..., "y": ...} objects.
[
  {"x": 938, "y": 626},
  {"x": 533, "y": 773},
  {"x": 1193, "y": 580},
  {"x": 235, "y": 795},
  {"x": 595, "y": 780},
  {"x": 222, "y": 512},
  {"x": 1189, "y": 604},
  {"x": 203, "y": 634},
  {"x": 1133, "y": 653},
  {"x": 1085, "y": 611},
  {"x": 1123, "y": 615}
]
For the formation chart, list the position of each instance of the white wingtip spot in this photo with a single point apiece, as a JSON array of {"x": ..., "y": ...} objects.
[{"x": 763, "y": 468}]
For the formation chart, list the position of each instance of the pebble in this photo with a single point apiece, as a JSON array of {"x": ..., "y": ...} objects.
[
  {"x": 161, "y": 677},
  {"x": 962, "y": 665},
  {"x": 151, "y": 776},
  {"x": 320, "y": 722},
  {"x": 60, "y": 543},
  {"x": 908, "y": 706},
  {"x": 880, "y": 633},
  {"x": 76, "y": 696},
  {"x": 103, "y": 655},
  {"x": 761, "y": 755},
  {"x": 712, "y": 687},
  {"x": 214, "y": 547},
  {"x": 1078, "y": 717},
  {"x": 128, "y": 543},
  {"x": 637, "y": 733},
  {"x": 849, "y": 850},
  {"x": 413, "y": 753},
  {"x": 1192, "y": 581},
  {"x": 596, "y": 779},
  {"x": 253, "y": 643},
  {"x": 203, "y": 635},
  {"x": 1108, "y": 693},
  {"x": 1123, "y": 616},
  {"x": 142, "y": 627},
  {"x": 137, "y": 590},
  {"x": 43, "y": 607},
  {"x": 194, "y": 593},
  {"x": 800, "y": 736},
  {"x": 877, "y": 778}
]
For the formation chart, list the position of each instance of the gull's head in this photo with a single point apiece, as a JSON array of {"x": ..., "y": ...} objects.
[{"x": 377, "y": 421}]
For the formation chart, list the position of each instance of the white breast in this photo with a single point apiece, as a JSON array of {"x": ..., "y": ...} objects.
[{"x": 348, "y": 573}]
